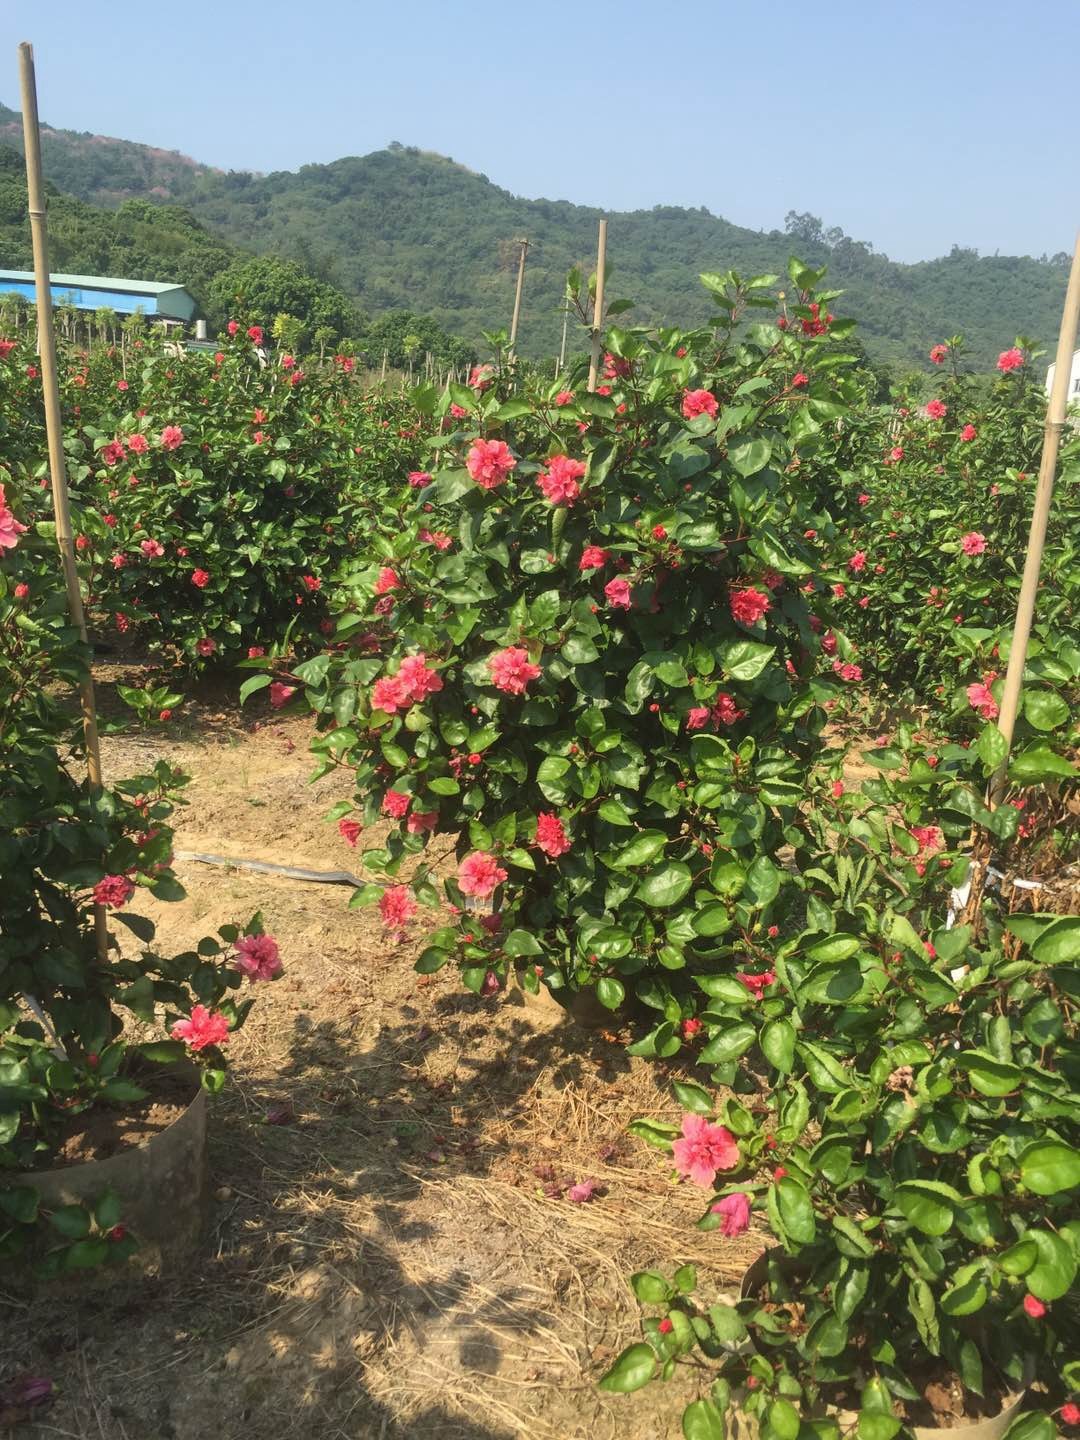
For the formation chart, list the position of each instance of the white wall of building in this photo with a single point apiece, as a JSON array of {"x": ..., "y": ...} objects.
[{"x": 1074, "y": 379}]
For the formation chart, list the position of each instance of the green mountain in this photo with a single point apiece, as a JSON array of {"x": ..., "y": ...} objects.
[{"x": 404, "y": 228}]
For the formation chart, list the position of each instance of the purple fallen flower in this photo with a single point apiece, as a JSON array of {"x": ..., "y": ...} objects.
[
  {"x": 29, "y": 1390},
  {"x": 581, "y": 1192},
  {"x": 279, "y": 1112}
]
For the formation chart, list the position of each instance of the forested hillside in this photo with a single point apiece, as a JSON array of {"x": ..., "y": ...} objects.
[{"x": 407, "y": 229}]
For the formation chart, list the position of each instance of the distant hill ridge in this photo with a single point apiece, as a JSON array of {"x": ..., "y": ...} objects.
[{"x": 404, "y": 228}]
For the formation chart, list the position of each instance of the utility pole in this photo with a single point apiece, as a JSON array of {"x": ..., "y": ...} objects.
[{"x": 517, "y": 296}]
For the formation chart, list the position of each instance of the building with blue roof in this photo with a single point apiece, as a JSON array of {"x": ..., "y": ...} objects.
[{"x": 160, "y": 300}]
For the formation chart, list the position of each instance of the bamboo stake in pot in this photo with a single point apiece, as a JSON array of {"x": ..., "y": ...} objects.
[{"x": 51, "y": 395}]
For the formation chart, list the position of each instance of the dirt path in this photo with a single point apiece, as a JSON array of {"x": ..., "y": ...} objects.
[{"x": 386, "y": 1262}]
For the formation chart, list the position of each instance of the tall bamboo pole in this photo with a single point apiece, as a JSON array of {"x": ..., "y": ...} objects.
[
  {"x": 1040, "y": 514},
  {"x": 517, "y": 297},
  {"x": 598, "y": 305},
  {"x": 562, "y": 347},
  {"x": 35, "y": 189}
]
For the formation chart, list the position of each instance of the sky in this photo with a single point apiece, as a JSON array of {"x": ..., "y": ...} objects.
[{"x": 914, "y": 126}]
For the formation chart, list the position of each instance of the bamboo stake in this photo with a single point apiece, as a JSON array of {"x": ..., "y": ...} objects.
[
  {"x": 517, "y": 297},
  {"x": 54, "y": 426},
  {"x": 562, "y": 347},
  {"x": 598, "y": 305},
  {"x": 1040, "y": 514}
]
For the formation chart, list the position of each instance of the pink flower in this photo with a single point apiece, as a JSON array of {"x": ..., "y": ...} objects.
[
  {"x": 113, "y": 891},
  {"x": 551, "y": 837},
  {"x": 395, "y": 803},
  {"x": 287, "y": 362},
  {"x": 438, "y": 538},
  {"x": 936, "y": 410},
  {"x": 564, "y": 397},
  {"x": 422, "y": 822},
  {"x": 846, "y": 670},
  {"x": 1033, "y": 1307},
  {"x": 112, "y": 453},
  {"x": 699, "y": 402},
  {"x": 559, "y": 480},
  {"x": 255, "y": 334},
  {"x": 968, "y": 433},
  {"x": 725, "y": 711},
  {"x": 756, "y": 984},
  {"x": 511, "y": 670},
  {"x": 618, "y": 593},
  {"x": 864, "y": 499},
  {"x": 206, "y": 646},
  {"x": 839, "y": 591},
  {"x": 1010, "y": 360},
  {"x": 593, "y": 557},
  {"x": 698, "y": 717},
  {"x": 6, "y": 347},
  {"x": 138, "y": 444},
  {"x": 350, "y": 831},
  {"x": 748, "y": 606},
  {"x": 387, "y": 581},
  {"x": 22, "y": 590},
  {"x": 938, "y": 353},
  {"x": 119, "y": 560},
  {"x": 172, "y": 437},
  {"x": 481, "y": 376},
  {"x": 458, "y": 412},
  {"x": 152, "y": 549},
  {"x": 489, "y": 462},
  {"x": 980, "y": 699},
  {"x": 397, "y": 906},
  {"x": 799, "y": 380},
  {"x": 205, "y": 1027},
  {"x": 281, "y": 694},
  {"x": 312, "y": 583},
  {"x": 929, "y": 837},
  {"x": 1070, "y": 1414},
  {"x": 257, "y": 957},
  {"x": 419, "y": 478},
  {"x": 703, "y": 1150},
  {"x": 480, "y": 874},
  {"x": 232, "y": 327},
  {"x": 736, "y": 1212},
  {"x": 973, "y": 543},
  {"x": 837, "y": 789},
  {"x": 418, "y": 681},
  {"x": 584, "y": 1191},
  {"x": 389, "y": 694},
  {"x": 200, "y": 578},
  {"x": 256, "y": 652},
  {"x": 858, "y": 561},
  {"x": 10, "y": 528}
]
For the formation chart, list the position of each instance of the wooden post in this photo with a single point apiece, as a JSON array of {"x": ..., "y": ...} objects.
[
  {"x": 1040, "y": 514},
  {"x": 517, "y": 297},
  {"x": 53, "y": 425},
  {"x": 598, "y": 306}
]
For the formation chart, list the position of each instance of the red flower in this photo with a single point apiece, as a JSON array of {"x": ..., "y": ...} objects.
[
  {"x": 1032, "y": 1306},
  {"x": 690, "y": 1028},
  {"x": 748, "y": 606},
  {"x": 1070, "y": 1414},
  {"x": 564, "y": 397},
  {"x": 699, "y": 402},
  {"x": 480, "y": 874},
  {"x": 858, "y": 561},
  {"x": 312, "y": 583},
  {"x": 200, "y": 578},
  {"x": 756, "y": 984},
  {"x": 936, "y": 410},
  {"x": 551, "y": 838},
  {"x": 938, "y": 353},
  {"x": 618, "y": 594},
  {"x": 659, "y": 533},
  {"x": 113, "y": 891},
  {"x": 138, "y": 444},
  {"x": 255, "y": 652},
  {"x": 255, "y": 334},
  {"x": 387, "y": 581},
  {"x": 232, "y": 327},
  {"x": 396, "y": 803},
  {"x": 489, "y": 462},
  {"x": 397, "y": 906},
  {"x": 22, "y": 590},
  {"x": 593, "y": 557},
  {"x": 206, "y": 646},
  {"x": 973, "y": 543},
  {"x": 799, "y": 380},
  {"x": 171, "y": 437},
  {"x": 281, "y": 694},
  {"x": 968, "y": 433},
  {"x": 1010, "y": 360},
  {"x": 112, "y": 453},
  {"x": 511, "y": 670},
  {"x": 205, "y": 1027},
  {"x": 419, "y": 478}
]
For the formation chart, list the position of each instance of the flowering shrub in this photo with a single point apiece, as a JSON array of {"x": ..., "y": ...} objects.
[
  {"x": 76, "y": 1032},
  {"x": 604, "y": 684},
  {"x": 213, "y": 498}
]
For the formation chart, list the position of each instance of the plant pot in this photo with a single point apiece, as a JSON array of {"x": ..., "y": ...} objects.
[
  {"x": 991, "y": 1428},
  {"x": 161, "y": 1184}
]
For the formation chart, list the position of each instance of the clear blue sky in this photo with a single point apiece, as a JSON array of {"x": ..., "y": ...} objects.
[{"x": 914, "y": 125}]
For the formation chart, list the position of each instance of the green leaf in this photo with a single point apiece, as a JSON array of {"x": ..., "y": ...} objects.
[
  {"x": 1044, "y": 709},
  {"x": 71, "y": 1221},
  {"x": 1050, "y": 1166},
  {"x": 1054, "y": 1271},
  {"x": 107, "y": 1210},
  {"x": 666, "y": 886},
  {"x": 650, "y": 1287},
  {"x": 988, "y": 1075},
  {"x": 745, "y": 659},
  {"x": 522, "y": 942},
  {"x": 701, "y": 1420},
  {"x": 1018, "y": 1259},
  {"x": 796, "y": 1210},
  {"x": 729, "y": 1044},
  {"x": 991, "y": 747},
  {"x": 253, "y": 683},
  {"x": 610, "y": 992},
  {"x": 634, "y": 1368},
  {"x": 750, "y": 456},
  {"x": 777, "y": 1042},
  {"x": 1038, "y": 763},
  {"x": 927, "y": 1204},
  {"x": 692, "y": 1097},
  {"x": 162, "y": 1052},
  {"x": 86, "y": 1254}
]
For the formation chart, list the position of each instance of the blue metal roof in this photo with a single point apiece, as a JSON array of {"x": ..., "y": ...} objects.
[{"x": 95, "y": 292}]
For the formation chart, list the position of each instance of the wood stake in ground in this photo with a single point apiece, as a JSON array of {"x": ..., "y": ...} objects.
[
  {"x": 1029, "y": 585},
  {"x": 598, "y": 306},
  {"x": 35, "y": 189},
  {"x": 517, "y": 296}
]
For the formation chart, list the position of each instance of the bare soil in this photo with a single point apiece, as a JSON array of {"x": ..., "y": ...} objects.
[
  {"x": 100, "y": 1133},
  {"x": 391, "y": 1252}
]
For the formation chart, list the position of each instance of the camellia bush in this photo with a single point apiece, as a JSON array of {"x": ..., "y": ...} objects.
[
  {"x": 214, "y": 494},
  {"x": 593, "y": 653},
  {"x": 77, "y": 1032}
]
